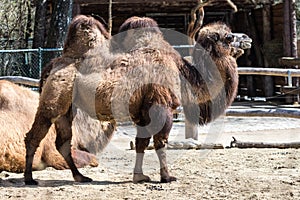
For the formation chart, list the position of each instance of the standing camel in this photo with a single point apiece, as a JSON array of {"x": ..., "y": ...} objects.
[
  {"x": 84, "y": 34},
  {"x": 145, "y": 83}
]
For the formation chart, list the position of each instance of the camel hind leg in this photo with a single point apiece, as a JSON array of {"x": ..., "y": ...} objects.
[
  {"x": 159, "y": 127},
  {"x": 160, "y": 139},
  {"x": 141, "y": 144},
  {"x": 63, "y": 128}
]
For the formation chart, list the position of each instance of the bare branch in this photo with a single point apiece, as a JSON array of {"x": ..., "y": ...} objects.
[
  {"x": 194, "y": 27},
  {"x": 232, "y": 5}
]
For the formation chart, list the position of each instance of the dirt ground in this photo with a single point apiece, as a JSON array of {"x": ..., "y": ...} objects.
[{"x": 228, "y": 173}]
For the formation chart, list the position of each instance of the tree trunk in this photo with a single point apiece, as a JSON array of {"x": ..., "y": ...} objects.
[
  {"x": 290, "y": 34},
  {"x": 267, "y": 29},
  {"x": 289, "y": 31},
  {"x": 293, "y": 28},
  {"x": 61, "y": 17},
  {"x": 28, "y": 30},
  {"x": 110, "y": 17},
  {"x": 39, "y": 24}
]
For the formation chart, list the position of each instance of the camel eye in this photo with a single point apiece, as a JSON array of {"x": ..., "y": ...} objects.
[
  {"x": 215, "y": 37},
  {"x": 84, "y": 27},
  {"x": 229, "y": 38}
]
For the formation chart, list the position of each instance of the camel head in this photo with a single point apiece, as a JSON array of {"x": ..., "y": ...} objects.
[
  {"x": 84, "y": 33},
  {"x": 218, "y": 40}
]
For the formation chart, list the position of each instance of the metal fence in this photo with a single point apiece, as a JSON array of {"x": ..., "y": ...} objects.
[
  {"x": 30, "y": 62},
  {"x": 26, "y": 62}
]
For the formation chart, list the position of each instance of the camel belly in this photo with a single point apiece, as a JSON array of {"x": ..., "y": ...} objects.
[{"x": 85, "y": 92}]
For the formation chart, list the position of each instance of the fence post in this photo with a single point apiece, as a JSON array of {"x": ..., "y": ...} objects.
[
  {"x": 290, "y": 83},
  {"x": 40, "y": 60}
]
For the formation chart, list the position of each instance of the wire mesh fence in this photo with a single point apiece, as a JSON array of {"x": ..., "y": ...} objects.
[
  {"x": 30, "y": 62},
  {"x": 26, "y": 62}
]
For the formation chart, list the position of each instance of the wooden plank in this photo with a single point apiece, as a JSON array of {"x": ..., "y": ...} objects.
[
  {"x": 184, "y": 144},
  {"x": 290, "y": 90},
  {"x": 221, "y": 4},
  {"x": 277, "y": 20},
  {"x": 239, "y": 144},
  {"x": 268, "y": 71},
  {"x": 22, "y": 80},
  {"x": 90, "y": 2},
  {"x": 273, "y": 112},
  {"x": 290, "y": 61}
]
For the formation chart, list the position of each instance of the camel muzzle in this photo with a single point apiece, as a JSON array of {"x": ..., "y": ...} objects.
[{"x": 241, "y": 40}]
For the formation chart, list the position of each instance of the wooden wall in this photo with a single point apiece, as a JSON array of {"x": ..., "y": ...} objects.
[
  {"x": 264, "y": 52},
  {"x": 277, "y": 20},
  {"x": 272, "y": 50}
]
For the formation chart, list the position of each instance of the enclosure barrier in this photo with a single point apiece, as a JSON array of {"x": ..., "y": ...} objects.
[
  {"x": 26, "y": 62},
  {"x": 289, "y": 73},
  {"x": 22, "y": 80}
]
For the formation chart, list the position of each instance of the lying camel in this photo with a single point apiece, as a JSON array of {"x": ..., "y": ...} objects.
[{"x": 18, "y": 106}]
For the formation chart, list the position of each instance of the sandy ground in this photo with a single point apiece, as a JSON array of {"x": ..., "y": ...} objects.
[{"x": 202, "y": 174}]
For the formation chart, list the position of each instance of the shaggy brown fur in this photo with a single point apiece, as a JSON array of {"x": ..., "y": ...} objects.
[
  {"x": 18, "y": 106},
  {"x": 216, "y": 70},
  {"x": 145, "y": 83},
  {"x": 84, "y": 33},
  {"x": 56, "y": 97},
  {"x": 139, "y": 85}
]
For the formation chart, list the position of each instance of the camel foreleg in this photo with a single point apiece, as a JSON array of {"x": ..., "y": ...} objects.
[
  {"x": 63, "y": 128},
  {"x": 55, "y": 101},
  {"x": 33, "y": 138}
]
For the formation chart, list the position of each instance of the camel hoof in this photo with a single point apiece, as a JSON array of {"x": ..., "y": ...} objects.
[
  {"x": 168, "y": 180},
  {"x": 140, "y": 178},
  {"x": 82, "y": 179},
  {"x": 31, "y": 182}
]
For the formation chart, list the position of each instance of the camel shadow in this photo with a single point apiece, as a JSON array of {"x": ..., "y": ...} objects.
[{"x": 19, "y": 182}]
